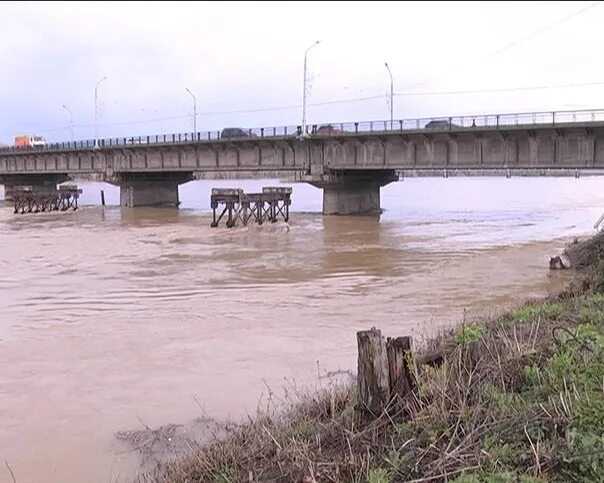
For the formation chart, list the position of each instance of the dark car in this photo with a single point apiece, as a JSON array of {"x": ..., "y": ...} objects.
[
  {"x": 235, "y": 132},
  {"x": 327, "y": 130},
  {"x": 439, "y": 125}
]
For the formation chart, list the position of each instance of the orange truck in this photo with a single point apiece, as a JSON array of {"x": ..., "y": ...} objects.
[{"x": 29, "y": 140}]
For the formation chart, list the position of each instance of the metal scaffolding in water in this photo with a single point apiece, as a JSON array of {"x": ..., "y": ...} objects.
[
  {"x": 30, "y": 199},
  {"x": 269, "y": 206}
]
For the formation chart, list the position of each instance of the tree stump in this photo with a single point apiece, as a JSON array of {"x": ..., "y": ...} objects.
[
  {"x": 373, "y": 379},
  {"x": 401, "y": 380}
]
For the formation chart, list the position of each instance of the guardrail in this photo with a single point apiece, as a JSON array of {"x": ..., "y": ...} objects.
[{"x": 431, "y": 124}]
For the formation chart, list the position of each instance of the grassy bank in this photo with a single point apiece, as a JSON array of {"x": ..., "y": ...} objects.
[{"x": 519, "y": 398}]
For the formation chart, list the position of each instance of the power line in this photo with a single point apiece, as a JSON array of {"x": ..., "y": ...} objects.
[
  {"x": 512, "y": 44},
  {"x": 335, "y": 102},
  {"x": 297, "y": 106},
  {"x": 111, "y": 124},
  {"x": 403, "y": 94},
  {"x": 541, "y": 31},
  {"x": 408, "y": 94},
  {"x": 503, "y": 89},
  {"x": 128, "y": 123}
]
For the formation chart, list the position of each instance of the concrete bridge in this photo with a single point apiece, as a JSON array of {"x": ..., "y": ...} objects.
[{"x": 349, "y": 161}]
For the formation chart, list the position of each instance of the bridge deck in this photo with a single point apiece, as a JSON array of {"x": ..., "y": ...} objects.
[{"x": 557, "y": 140}]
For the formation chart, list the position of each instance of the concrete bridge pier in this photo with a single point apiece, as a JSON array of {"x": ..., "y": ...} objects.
[
  {"x": 151, "y": 189},
  {"x": 353, "y": 192}
]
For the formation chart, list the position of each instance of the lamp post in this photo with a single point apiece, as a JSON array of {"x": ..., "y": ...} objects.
[
  {"x": 391, "y": 95},
  {"x": 194, "y": 111},
  {"x": 70, "y": 120},
  {"x": 304, "y": 87},
  {"x": 96, "y": 109}
]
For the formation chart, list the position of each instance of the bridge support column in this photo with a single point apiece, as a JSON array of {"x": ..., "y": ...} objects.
[
  {"x": 353, "y": 193},
  {"x": 151, "y": 189},
  {"x": 351, "y": 200}
]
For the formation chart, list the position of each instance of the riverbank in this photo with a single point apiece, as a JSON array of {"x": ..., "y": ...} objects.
[{"x": 518, "y": 398}]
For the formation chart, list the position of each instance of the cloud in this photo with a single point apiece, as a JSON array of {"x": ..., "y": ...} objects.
[{"x": 241, "y": 56}]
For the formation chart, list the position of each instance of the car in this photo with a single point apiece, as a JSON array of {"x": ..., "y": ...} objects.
[
  {"x": 439, "y": 125},
  {"x": 327, "y": 130},
  {"x": 235, "y": 132}
]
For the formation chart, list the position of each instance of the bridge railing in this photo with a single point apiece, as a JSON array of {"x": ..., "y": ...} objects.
[{"x": 431, "y": 124}]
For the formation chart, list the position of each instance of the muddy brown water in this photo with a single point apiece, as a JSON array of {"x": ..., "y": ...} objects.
[{"x": 112, "y": 318}]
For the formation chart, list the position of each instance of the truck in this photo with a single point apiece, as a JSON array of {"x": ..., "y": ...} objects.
[{"x": 29, "y": 141}]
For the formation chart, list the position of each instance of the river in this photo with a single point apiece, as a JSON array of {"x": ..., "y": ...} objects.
[{"x": 112, "y": 318}]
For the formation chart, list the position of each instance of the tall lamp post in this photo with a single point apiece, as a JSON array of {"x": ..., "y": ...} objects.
[
  {"x": 70, "y": 120},
  {"x": 194, "y": 111},
  {"x": 391, "y": 95},
  {"x": 304, "y": 87},
  {"x": 96, "y": 111}
]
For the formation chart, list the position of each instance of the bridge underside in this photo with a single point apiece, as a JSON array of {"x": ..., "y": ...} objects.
[{"x": 40, "y": 183}]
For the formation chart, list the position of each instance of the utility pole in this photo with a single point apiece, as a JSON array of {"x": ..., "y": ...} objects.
[
  {"x": 70, "y": 120},
  {"x": 304, "y": 93},
  {"x": 194, "y": 111},
  {"x": 391, "y": 95},
  {"x": 96, "y": 111}
]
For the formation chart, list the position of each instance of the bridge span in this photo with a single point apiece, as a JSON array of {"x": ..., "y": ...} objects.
[{"x": 349, "y": 161}]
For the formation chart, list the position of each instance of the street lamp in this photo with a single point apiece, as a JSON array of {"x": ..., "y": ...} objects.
[
  {"x": 70, "y": 120},
  {"x": 194, "y": 111},
  {"x": 96, "y": 109},
  {"x": 304, "y": 94},
  {"x": 391, "y": 95}
]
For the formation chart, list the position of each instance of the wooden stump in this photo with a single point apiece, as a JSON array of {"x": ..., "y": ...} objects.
[
  {"x": 384, "y": 377},
  {"x": 373, "y": 379},
  {"x": 401, "y": 380}
]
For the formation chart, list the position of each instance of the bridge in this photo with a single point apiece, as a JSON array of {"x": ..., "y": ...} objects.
[{"x": 349, "y": 161}]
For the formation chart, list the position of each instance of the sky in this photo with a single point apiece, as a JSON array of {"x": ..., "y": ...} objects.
[{"x": 243, "y": 61}]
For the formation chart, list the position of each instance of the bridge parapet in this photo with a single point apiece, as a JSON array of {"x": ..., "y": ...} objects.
[{"x": 513, "y": 121}]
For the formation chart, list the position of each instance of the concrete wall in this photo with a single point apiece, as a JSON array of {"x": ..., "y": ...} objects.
[
  {"x": 149, "y": 193},
  {"x": 351, "y": 200}
]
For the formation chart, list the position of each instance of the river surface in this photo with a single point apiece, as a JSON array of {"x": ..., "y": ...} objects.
[{"x": 111, "y": 318}]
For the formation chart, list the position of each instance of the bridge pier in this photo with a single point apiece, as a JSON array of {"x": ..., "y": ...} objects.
[
  {"x": 351, "y": 200},
  {"x": 151, "y": 189},
  {"x": 353, "y": 192}
]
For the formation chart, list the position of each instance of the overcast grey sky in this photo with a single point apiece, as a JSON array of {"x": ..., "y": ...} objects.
[{"x": 249, "y": 56}]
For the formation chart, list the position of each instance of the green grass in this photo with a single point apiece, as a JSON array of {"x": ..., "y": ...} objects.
[
  {"x": 469, "y": 334},
  {"x": 531, "y": 312}
]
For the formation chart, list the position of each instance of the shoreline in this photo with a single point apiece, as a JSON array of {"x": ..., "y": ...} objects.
[{"x": 293, "y": 437}]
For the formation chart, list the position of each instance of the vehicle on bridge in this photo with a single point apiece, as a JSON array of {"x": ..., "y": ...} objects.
[
  {"x": 439, "y": 124},
  {"x": 29, "y": 141},
  {"x": 327, "y": 130},
  {"x": 236, "y": 132},
  {"x": 442, "y": 124}
]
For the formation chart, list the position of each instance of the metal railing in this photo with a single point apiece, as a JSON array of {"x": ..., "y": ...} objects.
[{"x": 429, "y": 124}]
